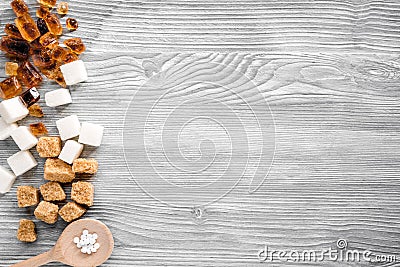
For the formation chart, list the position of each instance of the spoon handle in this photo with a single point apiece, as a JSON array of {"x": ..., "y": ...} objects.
[{"x": 38, "y": 260}]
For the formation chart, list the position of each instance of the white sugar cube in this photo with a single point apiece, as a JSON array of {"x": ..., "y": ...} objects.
[
  {"x": 7, "y": 180},
  {"x": 13, "y": 110},
  {"x": 24, "y": 138},
  {"x": 74, "y": 72},
  {"x": 68, "y": 127},
  {"x": 21, "y": 162},
  {"x": 71, "y": 151},
  {"x": 91, "y": 134},
  {"x": 58, "y": 97},
  {"x": 6, "y": 129}
]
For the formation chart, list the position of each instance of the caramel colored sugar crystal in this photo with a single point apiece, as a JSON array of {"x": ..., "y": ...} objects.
[
  {"x": 49, "y": 40},
  {"x": 12, "y": 31},
  {"x": 53, "y": 24},
  {"x": 19, "y": 7},
  {"x": 27, "y": 196},
  {"x": 72, "y": 24},
  {"x": 10, "y": 88},
  {"x": 38, "y": 129},
  {"x": 46, "y": 212},
  {"x": 76, "y": 45},
  {"x": 52, "y": 191},
  {"x": 42, "y": 11},
  {"x": 70, "y": 57},
  {"x": 26, "y": 231},
  {"x": 42, "y": 58},
  {"x": 89, "y": 166},
  {"x": 11, "y": 68},
  {"x": 48, "y": 3},
  {"x": 58, "y": 53},
  {"x": 55, "y": 74},
  {"x": 62, "y": 8},
  {"x": 83, "y": 193},
  {"x": 49, "y": 147},
  {"x": 58, "y": 171},
  {"x": 71, "y": 211},
  {"x": 29, "y": 75},
  {"x": 17, "y": 48},
  {"x": 36, "y": 111},
  {"x": 41, "y": 24},
  {"x": 27, "y": 27}
]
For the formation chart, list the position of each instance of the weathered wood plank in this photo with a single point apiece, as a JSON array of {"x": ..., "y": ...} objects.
[
  {"x": 335, "y": 173},
  {"x": 343, "y": 26}
]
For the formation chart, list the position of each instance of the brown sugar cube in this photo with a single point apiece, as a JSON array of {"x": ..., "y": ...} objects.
[
  {"x": 49, "y": 147},
  {"x": 83, "y": 193},
  {"x": 52, "y": 191},
  {"x": 26, "y": 231},
  {"x": 36, "y": 111},
  {"x": 89, "y": 166},
  {"x": 38, "y": 129},
  {"x": 46, "y": 212},
  {"x": 11, "y": 68},
  {"x": 71, "y": 211},
  {"x": 58, "y": 171},
  {"x": 27, "y": 196}
]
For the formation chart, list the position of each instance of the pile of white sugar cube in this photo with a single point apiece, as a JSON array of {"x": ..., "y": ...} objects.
[{"x": 13, "y": 110}]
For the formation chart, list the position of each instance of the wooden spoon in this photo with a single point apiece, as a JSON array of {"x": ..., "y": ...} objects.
[{"x": 65, "y": 250}]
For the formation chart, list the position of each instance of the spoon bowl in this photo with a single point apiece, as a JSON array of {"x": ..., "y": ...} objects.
[{"x": 66, "y": 251}]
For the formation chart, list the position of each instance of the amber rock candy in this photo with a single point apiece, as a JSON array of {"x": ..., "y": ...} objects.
[
  {"x": 27, "y": 27},
  {"x": 72, "y": 24},
  {"x": 70, "y": 57},
  {"x": 62, "y": 8},
  {"x": 19, "y": 7},
  {"x": 53, "y": 24},
  {"x": 48, "y": 3},
  {"x": 41, "y": 24},
  {"x": 76, "y": 45},
  {"x": 59, "y": 53},
  {"x": 10, "y": 88},
  {"x": 42, "y": 58},
  {"x": 15, "y": 47},
  {"x": 30, "y": 97},
  {"x": 42, "y": 11},
  {"x": 12, "y": 31},
  {"x": 29, "y": 75},
  {"x": 55, "y": 74},
  {"x": 36, "y": 111},
  {"x": 11, "y": 68},
  {"x": 38, "y": 129},
  {"x": 49, "y": 40}
]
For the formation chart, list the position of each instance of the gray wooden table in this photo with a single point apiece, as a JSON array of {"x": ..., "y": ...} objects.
[{"x": 330, "y": 72}]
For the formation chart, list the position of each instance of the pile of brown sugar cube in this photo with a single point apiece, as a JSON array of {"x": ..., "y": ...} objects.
[{"x": 34, "y": 51}]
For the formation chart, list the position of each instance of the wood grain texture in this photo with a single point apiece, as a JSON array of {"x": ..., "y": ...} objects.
[
  {"x": 330, "y": 73},
  {"x": 290, "y": 25}
]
